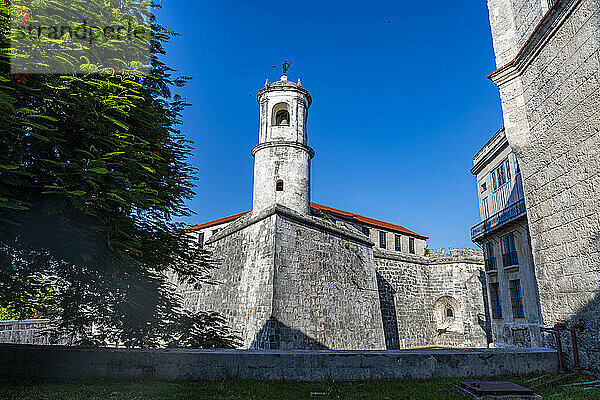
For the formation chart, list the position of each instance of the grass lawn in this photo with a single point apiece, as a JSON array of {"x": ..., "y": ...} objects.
[{"x": 237, "y": 389}]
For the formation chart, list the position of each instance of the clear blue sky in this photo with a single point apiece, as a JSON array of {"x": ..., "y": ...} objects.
[{"x": 399, "y": 109}]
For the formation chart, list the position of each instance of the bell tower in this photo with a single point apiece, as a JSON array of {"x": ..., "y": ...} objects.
[{"x": 282, "y": 156}]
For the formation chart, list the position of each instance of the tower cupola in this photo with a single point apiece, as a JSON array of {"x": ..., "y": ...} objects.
[{"x": 282, "y": 157}]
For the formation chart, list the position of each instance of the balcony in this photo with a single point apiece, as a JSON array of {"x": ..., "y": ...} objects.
[{"x": 508, "y": 214}]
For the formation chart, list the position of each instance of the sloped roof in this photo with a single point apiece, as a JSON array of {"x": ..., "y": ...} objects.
[
  {"x": 216, "y": 221},
  {"x": 365, "y": 220},
  {"x": 348, "y": 216}
]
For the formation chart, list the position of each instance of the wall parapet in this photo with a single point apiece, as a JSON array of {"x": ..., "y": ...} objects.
[
  {"x": 49, "y": 362},
  {"x": 436, "y": 256}
]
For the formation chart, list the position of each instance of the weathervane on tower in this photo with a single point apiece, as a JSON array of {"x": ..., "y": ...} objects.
[{"x": 286, "y": 66}]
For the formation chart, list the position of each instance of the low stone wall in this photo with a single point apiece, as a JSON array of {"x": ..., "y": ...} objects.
[
  {"x": 29, "y": 331},
  {"x": 52, "y": 362}
]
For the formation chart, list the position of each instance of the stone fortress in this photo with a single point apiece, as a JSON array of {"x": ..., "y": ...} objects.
[{"x": 299, "y": 275}]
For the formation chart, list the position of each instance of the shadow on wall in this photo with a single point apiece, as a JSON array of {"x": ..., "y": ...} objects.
[
  {"x": 588, "y": 340},
  {"x": 486, "y": 323},
  {"x": 388, "y": 313},
  {"x": 275, "y": 335}
]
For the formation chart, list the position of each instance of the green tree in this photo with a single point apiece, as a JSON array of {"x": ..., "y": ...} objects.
[{"x": 93, "y": 172}]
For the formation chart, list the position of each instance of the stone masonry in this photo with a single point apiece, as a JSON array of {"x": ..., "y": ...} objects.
[{"x": 550, "y": 91}]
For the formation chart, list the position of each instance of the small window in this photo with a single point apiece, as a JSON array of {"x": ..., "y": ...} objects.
[
  {"x": 516, "y": 299},
  {"x": 201, "y": 240},
  {"x": 279, "y": 186},
  {"x": 483, "y": 187},
  {"x": 382, "y": 239},
  {"x": 411, "y": 245},
  {"x": 282, "y": 118},
  {"x": 495, "y": 300},
  {"x": 215, "y": 231},
  {"x": 398, "y": 243},
  {"x": 449, "y": 312},
  {"x": 365, "y": 230}
]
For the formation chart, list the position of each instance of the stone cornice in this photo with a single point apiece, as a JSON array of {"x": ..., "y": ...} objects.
[
  {"x": 494, "y": 146},
  {"x": 252, "y": 218},
  {"x": 550, "y": 23},
  {"x": 287, "y": 87},
  {"x": 297, "y": 145}
]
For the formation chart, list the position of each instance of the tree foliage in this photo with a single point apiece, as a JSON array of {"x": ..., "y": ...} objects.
[{"x": 93, "y": 172}]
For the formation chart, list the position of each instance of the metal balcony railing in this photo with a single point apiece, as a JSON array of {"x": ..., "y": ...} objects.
[{"x": 508, "y": 214}]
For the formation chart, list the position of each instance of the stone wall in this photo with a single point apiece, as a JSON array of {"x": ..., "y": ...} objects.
[
  {"x": 550, "y": 99},
  {"x": 30, "y": 331},
  {"x": 325, "y": 290},
  {"x": 287, "y": 280},
  {"x": 416, "y": 293},
  {"x": 243, "y": 282},
  {"x": 41, "y": 362}
]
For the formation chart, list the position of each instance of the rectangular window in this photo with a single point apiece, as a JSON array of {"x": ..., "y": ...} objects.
[
  {"x": 215, "y": 231},
  {"x": 509, "y": 251},
  {"x": 486, "y": 208},
  {"x": 382, "y": 239},
  {"x": 411, "y": 245},
  {"x": 516, "y": 299},
  {"x": 501, "y": 174},
  {"x": 483, "y": 187},
  {"x": 201, "y": 240},
  {"x": 365, "y": 230},
  {"x": 495, "y": 300},
  {"x": 398, "y": 243},
  {"x": 488, "y": 254}
]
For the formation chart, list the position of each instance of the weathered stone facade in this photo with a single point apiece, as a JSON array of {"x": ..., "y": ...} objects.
[
  {"x": 299, "y": 275},
  {"x": 550, "y": 93}
]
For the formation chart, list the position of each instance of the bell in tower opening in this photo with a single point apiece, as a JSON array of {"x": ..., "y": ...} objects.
[{"x": 282, "y": 118}]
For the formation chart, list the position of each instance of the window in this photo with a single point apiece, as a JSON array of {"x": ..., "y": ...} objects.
[
  {"x": 486, "y": 208},
  {"x": 365, "y": 230},
  {"x": 398, "y": 243},
  {"x": 279, "y": 186},
  {"x": 500, "y": 175},
  {"x": 483, "y": 187},
  {"x": 215, "y": 231},
  {"x": 495, "y": 300},
  {"x": 282, "y": 118},
  {"x": 509, "y": 251},
  {"x": 201, "y": 240},
  {"x": 488, "y": 255},
  {"x": 382, "y": 239},
  {"x": 411, "y": 245},
  {"x": 516, "y": 299},
  {"x": 449, "y": 312}
]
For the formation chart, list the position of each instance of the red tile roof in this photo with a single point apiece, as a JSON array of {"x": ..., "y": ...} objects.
[
  {"x": 216, "y": 221},
  {"x": 334, "y": 211},
  {"x": 365, "y": 220}
]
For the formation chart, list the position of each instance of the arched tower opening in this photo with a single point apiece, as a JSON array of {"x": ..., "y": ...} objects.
[{"x": 281, "y": 115}]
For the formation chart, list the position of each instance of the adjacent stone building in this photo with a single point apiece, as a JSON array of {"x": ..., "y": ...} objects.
[
  {"x": 299, "y": 275},
  {"x": 504, "y": 236},
  {"x": 548, "y": 59}
]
